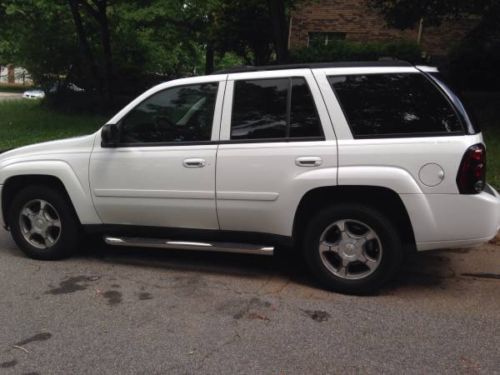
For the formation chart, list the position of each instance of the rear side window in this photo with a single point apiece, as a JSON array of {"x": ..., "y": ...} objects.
[
  {"x": 384, "y": 105},
  {"x": 464, "y": 109},
  {"x": 274, "y": 109}
]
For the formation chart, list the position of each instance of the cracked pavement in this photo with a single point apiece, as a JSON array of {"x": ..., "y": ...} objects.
[{"x": 138, "y": 311}]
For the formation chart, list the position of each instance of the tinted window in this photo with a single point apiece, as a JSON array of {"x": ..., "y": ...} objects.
[
  {"x": 304, "y": 120},
  {"x": 274, "y": 108},
  {"x": 465, "y": 110},
  {"x": 259, "y": 109},
  {"x": 394, "y": 104},
  {"x": 179, "y": 114}
]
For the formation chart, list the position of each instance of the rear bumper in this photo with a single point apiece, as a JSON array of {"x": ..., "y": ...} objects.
[{"x": 453, "y": 220}]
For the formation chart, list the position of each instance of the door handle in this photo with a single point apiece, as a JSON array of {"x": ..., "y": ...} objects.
[
  {"x": 194, "y": 163},
  {"x": 308, "y": 161}
]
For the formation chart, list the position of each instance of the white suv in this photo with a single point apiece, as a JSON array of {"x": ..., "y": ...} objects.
[{"x": 355, "y": 164}]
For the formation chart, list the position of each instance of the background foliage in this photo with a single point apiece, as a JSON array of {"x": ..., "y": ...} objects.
[
  {"x": 344, "y": 50},
  {"x": 115, "y": 49},
  {"x": 473, "y": 64}
]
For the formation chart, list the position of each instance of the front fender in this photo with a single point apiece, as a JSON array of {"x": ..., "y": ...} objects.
[{"x": 77, "y": 190}]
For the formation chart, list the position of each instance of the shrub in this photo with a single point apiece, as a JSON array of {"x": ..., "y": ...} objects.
[
  {"x": 346, "y": 50},
  {"x": 473, "y": 65}
]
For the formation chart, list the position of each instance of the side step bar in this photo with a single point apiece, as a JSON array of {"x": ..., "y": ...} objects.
[{"x": 224, "y": 247}]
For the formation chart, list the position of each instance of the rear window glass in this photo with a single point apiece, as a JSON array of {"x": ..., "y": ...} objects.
[{"x": 378, "y": 105}]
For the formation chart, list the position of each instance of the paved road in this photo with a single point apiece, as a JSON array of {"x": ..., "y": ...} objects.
[
  {"x": 9, "y": 96},
  {"x": 151, "y": 312}
]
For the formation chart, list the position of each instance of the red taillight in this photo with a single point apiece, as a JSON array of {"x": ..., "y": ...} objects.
[{"x": 471, "y": 178}]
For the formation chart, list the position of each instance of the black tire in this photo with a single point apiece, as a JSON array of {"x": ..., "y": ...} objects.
[
  {"x": 390, "y": 259},
  {"x": 68, "y": 236}
]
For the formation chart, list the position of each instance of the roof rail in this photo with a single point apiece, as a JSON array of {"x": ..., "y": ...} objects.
[{"x": 341, "y": 64}]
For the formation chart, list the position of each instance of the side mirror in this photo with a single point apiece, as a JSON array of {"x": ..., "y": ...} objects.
[{"x": 110, "y": 135}]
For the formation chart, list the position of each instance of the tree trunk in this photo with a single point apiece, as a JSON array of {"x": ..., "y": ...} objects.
[
  {"x": 277, "y": 13},
  {"x": 209, "y": 59},
  {"x": 107, "y": 52},
  {"x": 84, "y": 44},
  {"x": 99, "y": 12}
]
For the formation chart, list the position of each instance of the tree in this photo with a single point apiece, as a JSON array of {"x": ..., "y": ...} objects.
[
  {"x": 474, "y": 62},
  {"x": 243, "y": 27},
  {"x": 280, "y": 21},
  {"x": 80, "y": 41},
  {"x": 84, "y": 44},
  {"x": 37, "y": 36},
  {"x": 98, "y": 10},
  {"x": 404, "y": 14}
]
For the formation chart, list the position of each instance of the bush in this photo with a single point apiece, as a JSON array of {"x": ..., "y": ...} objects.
[
  {"x": 473, "y": 65},
  {"x": 345, "y": 50}
]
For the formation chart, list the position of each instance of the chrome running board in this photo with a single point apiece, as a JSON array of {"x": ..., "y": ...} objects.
[{"x": 224, "y": 247}]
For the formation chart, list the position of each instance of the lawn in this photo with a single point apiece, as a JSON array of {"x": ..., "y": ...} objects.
[
  {"x": 24, "y": 122},
  {"x": 486, "y": 108}
]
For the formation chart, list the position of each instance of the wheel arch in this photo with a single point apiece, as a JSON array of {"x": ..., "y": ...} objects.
[
  {"x": 15, "y": 183},
  {"x": 381, "y": 198},
  {"x": 57, "y": 174}
]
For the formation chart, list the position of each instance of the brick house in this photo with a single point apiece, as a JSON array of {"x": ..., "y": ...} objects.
[{"x": 319, "y": 21}]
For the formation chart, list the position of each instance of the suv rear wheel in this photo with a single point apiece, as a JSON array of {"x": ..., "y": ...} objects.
[
  {"x": 43, "y": 223},
  {"x": 352, "y": 248}
]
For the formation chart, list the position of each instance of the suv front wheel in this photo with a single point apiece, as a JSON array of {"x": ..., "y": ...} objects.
[
  {"x": 352, "y": 248},
  {"x": 43, "y": 223}
]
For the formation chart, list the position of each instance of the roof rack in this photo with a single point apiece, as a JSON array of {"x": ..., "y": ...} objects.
[{"x": 341, "y": 64}]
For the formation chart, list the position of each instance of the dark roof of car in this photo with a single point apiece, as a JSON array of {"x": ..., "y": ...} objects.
[{"x": 342, "y": 64}]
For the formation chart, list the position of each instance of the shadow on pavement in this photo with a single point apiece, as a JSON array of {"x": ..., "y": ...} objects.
[{"x": 427, "y": 270}]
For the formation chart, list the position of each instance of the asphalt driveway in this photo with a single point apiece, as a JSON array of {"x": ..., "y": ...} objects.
[{"x": 158, "y": 312}]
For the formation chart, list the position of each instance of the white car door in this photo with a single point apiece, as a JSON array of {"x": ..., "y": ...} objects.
[
  {"x": 162, "y": 171},
  {"x": 277, "y": 142}
]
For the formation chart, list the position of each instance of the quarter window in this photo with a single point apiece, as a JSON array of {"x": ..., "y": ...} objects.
[
  {"x": 394, "y": 105},
  {"x": 179, "y": 114},
  {"x": 274, "y": 109}
]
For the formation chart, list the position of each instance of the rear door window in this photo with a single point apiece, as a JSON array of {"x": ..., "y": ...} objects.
[
  {"x": 398, "y": 105},
  {"x": 304, "y": 119},
  {"x": 274, "y": 109}
]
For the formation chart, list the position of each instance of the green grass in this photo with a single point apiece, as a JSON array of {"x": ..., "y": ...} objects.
[
  {"x": 492, "y": 139},
  {"x": 486, "y": 107},
  {"x": 25, "y": 122}
]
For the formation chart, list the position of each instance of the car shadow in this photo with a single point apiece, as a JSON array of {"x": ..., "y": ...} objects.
[{"x": 428, "y": 270}]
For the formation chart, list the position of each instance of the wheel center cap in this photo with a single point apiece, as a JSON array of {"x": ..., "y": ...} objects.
[
  {"x": 40, "y": 224},
  {"x": 349, "y": 250}
]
